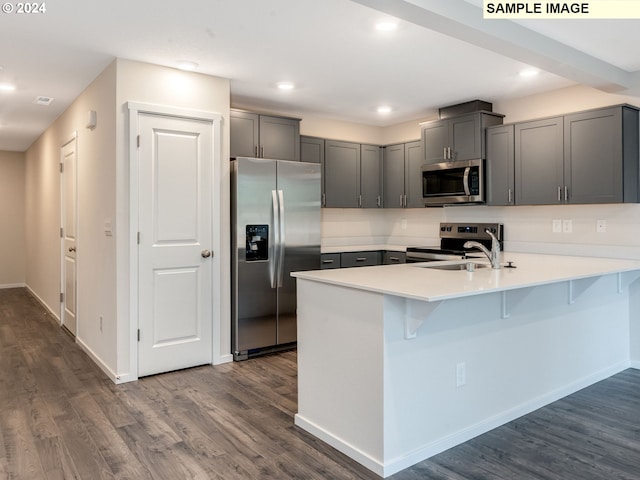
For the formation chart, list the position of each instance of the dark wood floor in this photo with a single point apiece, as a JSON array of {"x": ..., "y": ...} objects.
[{"x": 61, "y": 418}]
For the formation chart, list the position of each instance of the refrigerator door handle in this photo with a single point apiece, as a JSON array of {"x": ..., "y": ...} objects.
[
  {"x": 275, "y": 244},
  {"x": 283, "y": 240}
]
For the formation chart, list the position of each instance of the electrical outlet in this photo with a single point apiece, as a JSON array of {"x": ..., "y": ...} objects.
[
  {"x": 461, "y": 374},
  {"x": 567, "y": 226},
  {"x": 601, "y": 226},
  {"x": 556, "y": 226}
]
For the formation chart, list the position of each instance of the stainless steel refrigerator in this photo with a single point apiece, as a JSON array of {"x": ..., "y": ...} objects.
[{"x": 275, "y": 216}]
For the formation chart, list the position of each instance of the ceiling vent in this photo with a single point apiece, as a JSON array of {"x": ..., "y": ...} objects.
[{"x": 40, "y": 100}]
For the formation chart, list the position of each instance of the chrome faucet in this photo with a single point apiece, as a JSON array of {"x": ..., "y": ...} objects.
[{"x": 494, "y": 254}]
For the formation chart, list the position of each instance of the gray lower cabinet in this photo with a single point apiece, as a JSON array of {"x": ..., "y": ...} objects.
[
  {"x": 457, "y": 138},
  {"x": 402, "y": 175},
  {"x": 329, "y": 260},
  {"x": 360, "y": 259},
  {"x": 589, "y": 157},
  {"x": 264, "y": 136},
  {"x": 500, "y": 174},
  {"x": 352, "y": 175},
  {"x": 392, "y": 258}
]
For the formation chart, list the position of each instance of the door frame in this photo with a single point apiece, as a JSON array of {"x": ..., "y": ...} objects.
[
  {"x": 63, "y": 215},
  {"x": 215, "y": 120}
]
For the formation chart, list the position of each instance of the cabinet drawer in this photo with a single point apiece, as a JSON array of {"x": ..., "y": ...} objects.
[
  {"x": 391, "y": 258},
  {"x": 329, "y": 260},
  {"x": 360, "y": 259}
]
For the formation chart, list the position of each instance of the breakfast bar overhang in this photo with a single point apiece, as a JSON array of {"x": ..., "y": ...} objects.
[{"x": 398, "y": 363}]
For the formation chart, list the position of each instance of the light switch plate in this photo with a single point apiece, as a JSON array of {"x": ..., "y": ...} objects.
[
  {"x": 556, "y": 226},
  {"x": 567, "y": 226},
  {"x": 601, "y": 226}
]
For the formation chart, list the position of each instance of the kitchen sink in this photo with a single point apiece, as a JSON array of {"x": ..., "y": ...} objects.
[{"x": 470, "y": 266}]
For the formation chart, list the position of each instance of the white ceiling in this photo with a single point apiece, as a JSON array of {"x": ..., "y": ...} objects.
[{"x": 442, "y": 53}]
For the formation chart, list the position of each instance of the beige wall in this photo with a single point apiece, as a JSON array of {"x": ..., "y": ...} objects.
[
  {"x": 103, "y": 186},
  {"x": 12, "y": 195}
]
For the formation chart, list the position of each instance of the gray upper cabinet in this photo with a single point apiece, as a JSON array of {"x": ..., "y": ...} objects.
[
  {"x": 539, "y": 162},
  {"x": 601, "y": 156},
  {"x": 393, "y": 176},
  {"x": 341, "y": 174},
  {"x": 370, "y": 176},
  {"x": 264, "y": 136},
  {"x": 402, "y": 175},
  {"x": 352, "y": 175},
  {"x": 457, "y": 138},
  {"x": 311, "y": 149},
  {"x": 500, "y": 175},
  {"x": 580, "y": 158}
]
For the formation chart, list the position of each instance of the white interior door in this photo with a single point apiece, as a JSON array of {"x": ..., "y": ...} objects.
[
  {"x": 175, "y": 242},
  {"x": 68, "y": 179}
]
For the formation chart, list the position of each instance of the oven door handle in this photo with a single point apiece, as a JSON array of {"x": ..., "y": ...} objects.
[{"x": 465, "y": 181}]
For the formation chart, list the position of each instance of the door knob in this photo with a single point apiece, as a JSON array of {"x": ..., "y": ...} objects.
[{"x": 205, "y": 253}]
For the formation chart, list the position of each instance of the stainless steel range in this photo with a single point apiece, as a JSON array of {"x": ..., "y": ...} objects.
[{"x": 452, "y": 238}]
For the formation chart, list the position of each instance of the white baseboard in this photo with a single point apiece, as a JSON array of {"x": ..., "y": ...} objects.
[
  {"x": 98, "y": 361},
  {"x": 410, "y": 458},
  {"x": 227, "y": 358},
  {"x": 12, "y": 285},
  {"x": 44, "y": 304}
]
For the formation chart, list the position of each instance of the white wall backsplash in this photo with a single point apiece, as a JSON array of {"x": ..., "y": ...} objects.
[{"x": 527, "y": 228}]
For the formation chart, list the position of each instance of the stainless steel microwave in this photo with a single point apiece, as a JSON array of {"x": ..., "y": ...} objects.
[{"x": 453, "y": 183}]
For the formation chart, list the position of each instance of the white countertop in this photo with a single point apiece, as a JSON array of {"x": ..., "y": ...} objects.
[{"x": 413, "y": 281}]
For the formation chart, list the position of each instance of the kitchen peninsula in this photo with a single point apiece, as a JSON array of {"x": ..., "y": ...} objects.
[{"x": 398, "y": 363}]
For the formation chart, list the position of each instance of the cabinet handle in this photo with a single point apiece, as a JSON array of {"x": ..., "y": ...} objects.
[
  {"x": 378, "y": 201},
  {"x": 324, "y": 199},
  {"x": 404, "y": 201},
  {"x": 359, "y": 201},
  {"x": 257, "y": 152},
  {"x": 444, "y": 153},
  {"x": 394, "y": 259},
  {"x": 559, "y": 194},
  {"x": 510, "y": 200},
  {"x": 401, "y": 200},
  {"x": 566, "y": 193},
  {"x": 261, "y": 152},
  {"x": 361, "y": 259},
  {"x": 327, "y": 261}
]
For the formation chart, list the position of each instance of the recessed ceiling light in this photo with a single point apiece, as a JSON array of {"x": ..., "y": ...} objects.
[
  {"x": 529, "y": 72},
  {"x": 285, "y": 85},
  {"x": 187, "y": 65},
  {"x": 7, "y": 87},
  {"x": 386, "y": 26},
  {"x": 384, "y": 109}
]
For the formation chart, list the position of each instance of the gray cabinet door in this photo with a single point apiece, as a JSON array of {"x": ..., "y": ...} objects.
[
  {"x": 360, "y": 259},
  {"x": 539, "y": 162},
  {"x": 244, "y": 128},
  {"x": 593, "y": 162},
  {"x": 393, "y": 176},
  {"x": 311, "y": 149},
  {"x": 341, "y": 174},
  {"x": 393, "y": 258},
  {"x": 435, "y": 137},
  {"x": 370, "y": 176},
  {"x": 279, "y": 138},
  {"x": 464, "y": 137},
  {"x": 500, "y": 163},
  {"x": 413, "y": 161}
]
